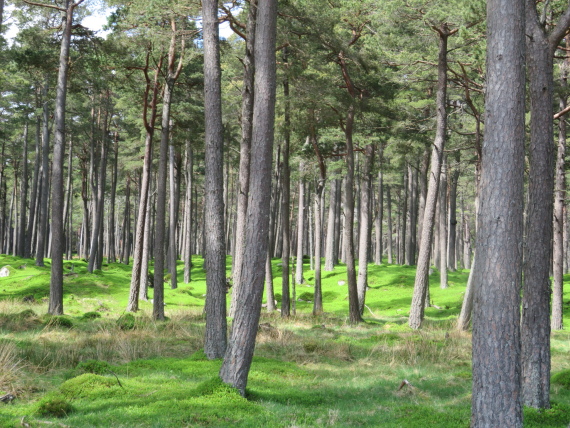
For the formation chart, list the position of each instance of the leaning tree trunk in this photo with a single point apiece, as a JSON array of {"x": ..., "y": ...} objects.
[
  {"x": 496, "y": 397},
  {"x": 215, "y": 262},
  {"x": 237, "y": 361},
  {"x": 422, "y": 272}
]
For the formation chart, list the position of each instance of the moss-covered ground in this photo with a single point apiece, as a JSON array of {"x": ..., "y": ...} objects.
[{"x": 98, "y": 366}]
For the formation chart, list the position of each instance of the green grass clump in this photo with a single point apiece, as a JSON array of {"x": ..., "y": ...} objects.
[
  {"x": 90, "y": 315},
  {"x": 54, "y": 406},
  {"x": 557, "y": 416},
  {"x": 562, "y": 378},
  {"x": 126, "y": 322},
  {"x": 57, "y": 321},
  {"x": 86, "y": 385}
]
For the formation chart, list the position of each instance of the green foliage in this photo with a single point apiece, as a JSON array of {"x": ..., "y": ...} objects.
[
  {"x": 557, "y": 416},
  {"x": 562, "y": 378},
  {"x": 54, "y": 406},
  {"x": 94, "y": 366}
]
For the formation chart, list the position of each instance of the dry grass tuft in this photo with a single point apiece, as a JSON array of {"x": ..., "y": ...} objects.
[{"x": 10, "y": 369}]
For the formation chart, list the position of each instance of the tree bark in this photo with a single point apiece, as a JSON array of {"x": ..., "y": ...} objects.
[
  {"x": 285, "y": 202},
  {"x": 452, "y": 234},
  {"x": 215, "y": 257},
  {"x": 188, "y": 209},
  {"x": 389, "y": 243},
  {"x": 23, "y": 192},
  {"x": 443, "y": 226},
  {"x": 422, "y": 272},
  {"x": 535, "y": 327},
  {"x": 237, "y": 361},
  {"x": 44, "y": 193},
  {"x": 299, "y": 279},
  {"x": 496, "y": 396}
]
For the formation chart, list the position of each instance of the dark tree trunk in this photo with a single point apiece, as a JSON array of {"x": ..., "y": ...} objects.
[
  {"x": 44, "y": 193},
  {"x": 188, "y": 209},
  {"x": 299, "y": 279},
  {"x": 535, "y": 327},
  {"x": 112, "y": 255},
  {"x": 389, "y": 243},
  {"x": 379, "y": 216},
  {"x": 57, "y": 226},
  {"x": 496, "y": 397},
  {"x": 422, "y": 277},
  {"x": 285, "y": 203},
  {"x": 24, "y": 194},
  {"x": 452, "y": 241},
  {"x": 237, "y": 361},
  {"x": 245, "y": 148},
  {"x": 215, "y": 257},
  {"x": 443, "y": 226}
]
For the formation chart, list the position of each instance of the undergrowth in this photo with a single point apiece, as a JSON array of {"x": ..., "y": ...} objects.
[{"x": 98, "y": 364}]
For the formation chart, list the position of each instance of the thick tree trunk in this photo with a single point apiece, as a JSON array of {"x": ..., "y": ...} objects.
[
  {"x": 237, "y": 361},
  {"x": 422, "y": 276},
  {"x": 535, "y": 327},
  {"x": 496, "y": 397},
  {"x": 215, "y": 257}
]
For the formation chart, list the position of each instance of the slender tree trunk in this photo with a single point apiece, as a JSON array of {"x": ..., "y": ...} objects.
[
  {"x": 23, "y": 192},
  {"x": 389, "y": 224},
  {"x": 112, "y": 256},
  {"x": 422, "y": 272},
  {"x": 57, "y": 226},
  {"x": 496, "y": 397},
  {"x": 556, "y": 322},
  {"x": 365, "y": 225},
  {"x": 44, "y": 193},
  {"x": 285, "y": 203},
  {"x": 443, "y": 226},
  {"x": 215, "y": 262},
  {"x": 245, "y": 148},
  {"x": 331, "y": 222},
  {"x": 299, "y": 279},
  {"x": 379, "y": 216},
  {"x": 188, "y": 208},
  {"x": 452, "y": 240},
  {"x": 174, "y": 164},
  {"x": 237, "y": 361}
]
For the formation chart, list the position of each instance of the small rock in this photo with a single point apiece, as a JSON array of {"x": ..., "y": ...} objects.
[
  {"x": 341, "y": 283},
  {"x": 5, "y": 271}
]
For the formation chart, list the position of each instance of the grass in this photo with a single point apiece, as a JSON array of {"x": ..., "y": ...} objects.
[{"x": 100, "y": 367}]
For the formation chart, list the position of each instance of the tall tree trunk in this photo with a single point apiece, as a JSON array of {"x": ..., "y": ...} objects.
[
  {"x": 422, "y": 272},
  {"x": 365, "y": 225},
  {"x": 389, "y": 243},
  {"x": 556, "y": 322},
  {"x": 443, "y": 226},
  {"x": 285, "y": 202},
  {"x": 24, "y": 193},
  {"x": 237, "y": 361},
  {"x": 535, "y": 327},
  {"x": 57, "y": 226},
  {"x": 44, "y": 193},
  {"x": 245, "y": 148},
  {"x": 215, "y": 262},
  {"x": 112, "y": 256},
  {"x": 299, "y": 279},
  {"x": 32, "y": 218},
  {"x": 452, "y": 234},
  {"x": 188, "y": 209},
  {"x": 379, "y": 216},
  {"x": 95, "y": 250},
  {"x": 496, "y": 397},
  {"x": 331, "y": 222},
  {"x": 174, "y": 164}
]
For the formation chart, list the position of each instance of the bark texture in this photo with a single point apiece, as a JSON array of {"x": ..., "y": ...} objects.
[
  {"x": 496, "y": 397},
  {"x": 237, "y": 361}
]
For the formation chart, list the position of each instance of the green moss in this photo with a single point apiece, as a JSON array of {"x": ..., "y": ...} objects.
[
  {"x": 26, "y": 314},
  {"x": 557, "y": 416},
  {"x": 54, "y": 407},
  {"x": 87, "y": 385},
  {"x": 94, "y": 366},
  {"x": 90, "y": 315},
  {"x": 126, "y": 322},
  {"x": 57, "y": 321},
  {"x": 562, "y": 378}
]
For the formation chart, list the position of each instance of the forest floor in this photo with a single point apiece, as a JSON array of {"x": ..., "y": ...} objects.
[{"x": 99, "y": 366}]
